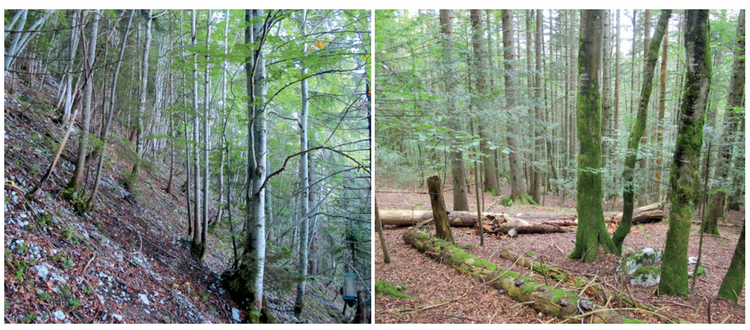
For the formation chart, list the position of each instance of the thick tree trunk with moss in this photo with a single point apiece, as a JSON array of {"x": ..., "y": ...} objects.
[
  {"x": 516, "y": 168},
  {"x": 731, "y": 121},
  {"x": 637, "y": 132},
  {"x": 442, "y": 227},
  {"x": 554, "y": 302},
  {"x": 734, "y": 280},
  {"x": 684, "y": 178},
  {"x": 591, "y": 231}
]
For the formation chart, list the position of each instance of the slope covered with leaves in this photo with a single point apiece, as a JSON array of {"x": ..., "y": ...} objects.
[{"x": 126, "y": 261}]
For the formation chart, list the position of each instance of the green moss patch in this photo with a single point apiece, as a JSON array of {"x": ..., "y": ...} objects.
[{"x": 385, "y": 288}]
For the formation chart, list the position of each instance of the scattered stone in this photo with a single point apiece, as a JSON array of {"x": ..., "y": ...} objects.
[
  {"x": 236, "y": 315},
  {"x": 633, "y": 261},
  {"x": 144, "y": 298},
  {"x": 59, "y": 315},
  {"x": 42, "y": 271}
]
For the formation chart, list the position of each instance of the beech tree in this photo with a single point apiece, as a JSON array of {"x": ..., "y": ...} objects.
[
  {"x": 637, "y": 132},
  {"x": 684, "y": 178},
  {"x": 732, "y": 118},
  {"x": 591, "y": 232}
]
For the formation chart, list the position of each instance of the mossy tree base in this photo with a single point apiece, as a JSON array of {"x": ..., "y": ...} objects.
[
  {"x": 240, "y": 290},
  {"x": 548, "y": 300}
]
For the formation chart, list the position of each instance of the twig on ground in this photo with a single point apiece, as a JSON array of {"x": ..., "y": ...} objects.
[{"x": 461, "y": 317}]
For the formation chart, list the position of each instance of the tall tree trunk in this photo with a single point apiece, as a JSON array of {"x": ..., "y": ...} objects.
[
  {"x": 684, "y": 174},
  {"x": 247, "y": 282},
  {"x": 731, "y": 122},
  {"x": 197, "y": 246},
  {"x": 110, "y": 111},
  {"x": 591, "y": 231},
  {"x": 538, "y": 140},
  {"x": 656, "y": 187},
  {"x": 516, "y": 169},
  {"x": 643, "y": 162},
  {"x": 304, "y": 205},
  {"x": 206, "y": 139},
  {"x": 480, "y": 67},
  {"x": 616, "y": 133},
  {"x": 133, "y": 178},
  {"x": 74, "y": 184},
  {"x": 460, "y": 199},
  {"x": 637, "y": 132},
  {"x": 606, "y": 88}
]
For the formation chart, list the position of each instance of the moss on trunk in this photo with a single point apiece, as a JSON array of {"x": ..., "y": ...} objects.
[
  {"x": 734, "y": 280},
  {"x": 684, "y": 173},
  {"x": 591, "y": 231},
  {"x": 637, "y": 132}
]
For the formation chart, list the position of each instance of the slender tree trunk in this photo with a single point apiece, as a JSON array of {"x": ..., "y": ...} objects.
[
  {"x": 606, "y": 88},
  {"x": 637, "y": 132},
  {"x": 460, "y": 199},
  {"x": 684, "y": 174},
  {"x": 538, "y": 141},
  {"x": 516, "y": 169},
  {"x": 133, "y": 178},
  {"x": 196, "y": 246},
  {"x": 480, "y": 67},
  {"x": 110, "y": 111},
  {"x": 74, "y": 184},
  {"x": 731, "y": 122},
  {"x": 304, "y": 205},
  {"x": 206, "y": 139},
  {"x": 591, "y": 231},
  {"x": 248, "y": 280},
  {"x": 616, "y": 134},
  {"x": 656, "y": 187}
]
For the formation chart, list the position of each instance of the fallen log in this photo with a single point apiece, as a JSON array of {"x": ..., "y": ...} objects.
[
  {"x": 455, "y": 218},
  {"x": 543, "y": 298},
  {"x": 646, "y": 214}
]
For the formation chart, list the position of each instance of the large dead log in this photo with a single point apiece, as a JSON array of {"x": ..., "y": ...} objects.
[
  {"x": 646, "y": 214},
  {"x": 551, "y": 301},
  {"x": 456, "y": 218}
]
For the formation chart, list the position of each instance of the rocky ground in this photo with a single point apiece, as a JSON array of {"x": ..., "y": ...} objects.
[
  {"x": 126, "y": 261},
  {"x": 446, "y": 296}
]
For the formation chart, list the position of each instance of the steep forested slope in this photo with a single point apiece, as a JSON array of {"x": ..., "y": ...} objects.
[{"x": 127, "y": 260}]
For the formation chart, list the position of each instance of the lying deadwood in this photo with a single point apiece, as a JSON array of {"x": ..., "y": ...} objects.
[
  {"x": 562, "y": 223},
  {"x": 646, "y": 214},
  {"x": 456, "y": 218},
  {"x": 551, "y": 301}
]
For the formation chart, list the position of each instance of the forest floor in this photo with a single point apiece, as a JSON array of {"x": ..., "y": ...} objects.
[
  {"x": 126, "y": 261},
  {"x": 446, "y": 296}
]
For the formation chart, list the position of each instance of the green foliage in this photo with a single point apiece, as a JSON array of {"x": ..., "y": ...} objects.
[{"x": 44, "y": 296}]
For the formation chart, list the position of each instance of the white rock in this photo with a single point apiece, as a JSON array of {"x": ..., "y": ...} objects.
[
  {"x": 42, "y": 270},
  {"x": 236, "y": 315},
  {"x": 117, "y": 317},
  {"x": 59, "y": 315},
  {"x": 144, "y": 298}
]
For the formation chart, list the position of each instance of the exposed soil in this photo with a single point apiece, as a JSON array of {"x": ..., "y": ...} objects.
[{"x": 446, "y": 296}]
